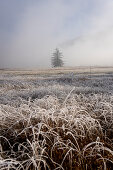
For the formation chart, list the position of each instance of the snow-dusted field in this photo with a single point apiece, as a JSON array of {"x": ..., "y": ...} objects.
[{"x": 56, "y": 121}]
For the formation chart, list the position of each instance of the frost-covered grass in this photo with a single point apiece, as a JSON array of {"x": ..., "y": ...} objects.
[{"x": 56, "y": 122}]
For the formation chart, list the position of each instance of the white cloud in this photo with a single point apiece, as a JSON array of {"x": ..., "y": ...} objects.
[{"x": 95, "y": 46}]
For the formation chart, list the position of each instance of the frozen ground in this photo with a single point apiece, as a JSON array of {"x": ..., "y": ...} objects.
[
  {"x": 56, "y": 121},
  {"x": 13, "y": 88}
]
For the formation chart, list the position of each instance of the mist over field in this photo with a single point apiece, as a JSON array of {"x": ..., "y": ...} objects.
[
  {"x": 31, "y": 30},
  {"x": 56, "y": 84}
]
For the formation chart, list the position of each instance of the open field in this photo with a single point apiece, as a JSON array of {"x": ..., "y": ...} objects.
[
  {"x": 59, "y": 119},
  {"x": 60, "y": 70}
]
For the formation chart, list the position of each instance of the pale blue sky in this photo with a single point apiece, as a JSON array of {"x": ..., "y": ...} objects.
[{"x": 30, "y": 30}]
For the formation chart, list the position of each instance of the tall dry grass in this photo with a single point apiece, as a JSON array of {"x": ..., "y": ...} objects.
[{"x": 75, "y": 134}]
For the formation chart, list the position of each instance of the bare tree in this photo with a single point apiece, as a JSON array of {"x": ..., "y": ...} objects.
[{"x": 56, "y": 60}]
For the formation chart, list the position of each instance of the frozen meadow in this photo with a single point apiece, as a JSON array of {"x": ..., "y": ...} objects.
[{"x": 60, "y": 121}]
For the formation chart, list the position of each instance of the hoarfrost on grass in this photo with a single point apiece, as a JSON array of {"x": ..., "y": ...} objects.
[{"x": 56, "y": 122}]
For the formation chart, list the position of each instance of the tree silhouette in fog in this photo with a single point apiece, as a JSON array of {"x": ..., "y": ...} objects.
[{"x": 56, "y": 59}]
